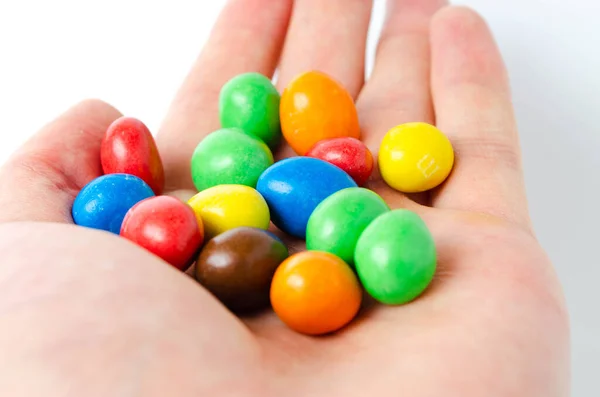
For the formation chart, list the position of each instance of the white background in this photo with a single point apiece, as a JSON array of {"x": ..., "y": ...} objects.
[{"x": 134, "y": 54}]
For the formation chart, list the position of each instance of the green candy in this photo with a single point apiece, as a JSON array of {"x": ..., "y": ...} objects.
[
  {"x": 338, "y": 221},
  {"x": 395, "y": 257},
  {"x": 251, "y": 102},
  {"x": 229, "y": 157}
]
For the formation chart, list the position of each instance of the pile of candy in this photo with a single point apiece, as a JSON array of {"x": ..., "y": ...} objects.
[{"x": 353, "y": 239}]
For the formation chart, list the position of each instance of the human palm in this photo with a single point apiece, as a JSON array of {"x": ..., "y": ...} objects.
[{"x": 85, "y": 313}]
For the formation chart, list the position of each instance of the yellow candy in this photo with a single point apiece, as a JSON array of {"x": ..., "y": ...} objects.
[
  {"x": 415, "y": 157},
  {"x": 225, "y": 207}
]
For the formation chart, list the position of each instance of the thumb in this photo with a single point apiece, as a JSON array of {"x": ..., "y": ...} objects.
[{"x": 41, "y": 180}]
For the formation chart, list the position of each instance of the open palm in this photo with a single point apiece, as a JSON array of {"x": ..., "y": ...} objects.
[{"x": 85, "y": 313}]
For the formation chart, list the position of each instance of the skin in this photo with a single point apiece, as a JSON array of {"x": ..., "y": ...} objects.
[{"x": 86, "y": 313}]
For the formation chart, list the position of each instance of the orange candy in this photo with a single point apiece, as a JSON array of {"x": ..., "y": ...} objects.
[
  {"x": 315, "y": 107},
  {"x": 315, "y": 292}
]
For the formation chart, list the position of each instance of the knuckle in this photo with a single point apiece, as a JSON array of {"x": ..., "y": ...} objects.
[
  {"x": 392, "y": 107},
  {"x": 35, "y": 169},
  {"x": 489, "y": 148}
]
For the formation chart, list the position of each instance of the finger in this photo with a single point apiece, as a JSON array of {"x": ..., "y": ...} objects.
[
  {"x": 40, "y": 181},
  {"x": 247, "y": 37},
  {"x": 473, "y": 107},
  {"x": 399, "y": 89},
  {"x": 329, "y": 36}
]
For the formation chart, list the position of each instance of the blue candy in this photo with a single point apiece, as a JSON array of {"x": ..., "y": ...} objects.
[
  {"x": 294, "y": 187},
  {"x": 103, "y": 203}
]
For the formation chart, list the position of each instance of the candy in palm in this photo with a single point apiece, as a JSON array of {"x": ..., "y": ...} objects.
[{"x": 251, "y": 209}]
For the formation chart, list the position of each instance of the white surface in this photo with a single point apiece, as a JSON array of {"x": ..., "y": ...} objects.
[{"x": 134, "y": 54}]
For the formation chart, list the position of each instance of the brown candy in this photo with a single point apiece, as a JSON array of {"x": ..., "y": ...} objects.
[{"x": 237, "y": 267}]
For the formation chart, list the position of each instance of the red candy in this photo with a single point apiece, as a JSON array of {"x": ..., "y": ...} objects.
[
  {"x": 349, "y": 154},
  {"x": 128, "y": 147},
  {"x": 167, "y": 227}
]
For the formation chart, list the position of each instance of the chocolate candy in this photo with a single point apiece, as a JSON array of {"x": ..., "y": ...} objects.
[
  {"x": 238, "y": 265},
  {"x": 295, "y": 186},
  {"x": 349, "y": 154},
  {"x": 415, "y": 157},
  {"x": 250, "y": 102},
  {"x": 103, "y": 203},
  {"x": 337, "y": 223},
  {"x": 228, "y": 156},
  {"x": 395, "y": 257},
  {"x": 129, "y": 148},
  {"x": 226, "y": 207},
  {"x": 167, "y": 227},
  {"x": 314, "y": 196},
  {"x": 315, "y": 293},
  {"x": 315, "y": 107}
]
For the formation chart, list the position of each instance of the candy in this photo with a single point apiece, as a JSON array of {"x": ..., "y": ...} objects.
[
  {"x": 337, "y": 223},
  {"x": 228, "y": 156},
  {"x": 395, "y": 257},
  {"x": 349, "y": 154},
  {"x": 226, "y": 207},
  {"x": 129, "y": 148},
  {"x": 314, "y": 197},
  {"x": 295, "y": 186},
  {"x": 415, "y": 157},
  {"x": 315, "y": 293},
  {"x": 316, "y": 107},
  {"x": 238, "y": 265},
  {"x": 251, "y": 102},
  {"x": 165, "y": 226},
  {"x": 103, "y": 203}
]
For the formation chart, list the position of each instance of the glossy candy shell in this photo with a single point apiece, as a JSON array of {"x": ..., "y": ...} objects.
[
  {"x": 415, "y": 157},
  {"x": 238, "y": 265},
  {"x": 315, "y": 107},
  {"x": 315, "y": 293},
  {"x": 128, "y": 147},
  {"x": 165, "y": 226},
  {"x": 295, "y": 186},
  {"x": 226, "y": 207},
  {"x": 350, "y": 154},
  {"x": 395, "y": 257},
  {"x": 250, "y": 102},
  {"x": 337, "y": 223},
  {"x": 228, "y": 156},
  {"x": 103, "y": 203}
]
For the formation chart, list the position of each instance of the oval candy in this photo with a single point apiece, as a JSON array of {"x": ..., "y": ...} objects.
[
  {"x": 395, "y": 257},
  {"x": 250, "y": 102},
  {"x": 349, "y": 154},
  {"x": 128, "y": 147},
  {"x": 337, "y": 223},
  {"x": 165, "y": 226},
  {"x": 228, "y": 156},
  {"x": 295, "y": 186},
  {"x": 237, "y": 267},
  {"x": 315, "y": 293},
  {"x": 415, "y": 157},
  {"x": 226, "y": 207},
  {"x": 104, "y": 202},
  {"x": 315, "y": 107}
]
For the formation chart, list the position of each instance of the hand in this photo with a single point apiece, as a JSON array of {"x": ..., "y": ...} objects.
[{"x": 85, "y": 313}]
